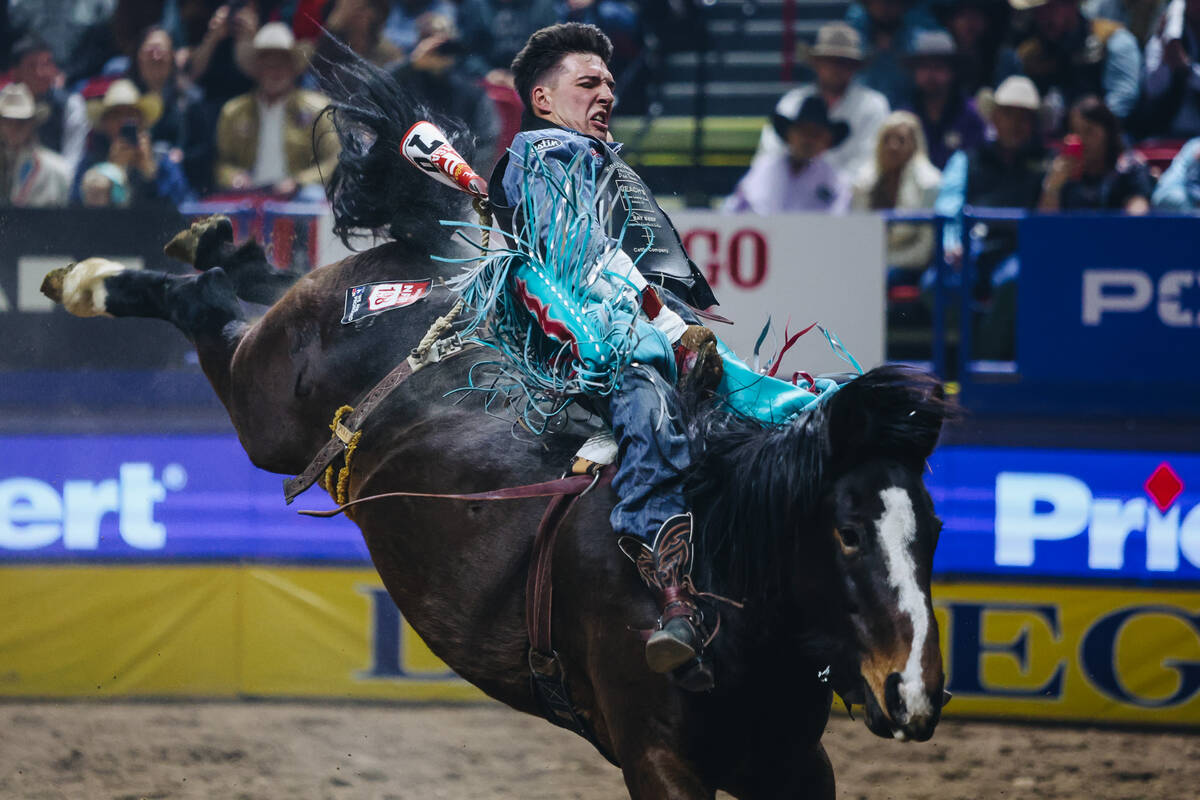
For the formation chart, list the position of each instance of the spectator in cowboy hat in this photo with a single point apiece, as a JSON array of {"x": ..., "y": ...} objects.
[
  {"x": 948, "y": 117},
  {"x": 1069, "y": 56},
  {"x": 30, "y": 175},
  {"x": 836, "y": 57},
  {"x": 121, "y": 136},
  {"x": 887, "y": 28},
  {"x": 799, "y": 178},
  {"x": 64, "y": 126},
  {"x": 265, "y": 138},
  {"x": 1007, "y": 172}
]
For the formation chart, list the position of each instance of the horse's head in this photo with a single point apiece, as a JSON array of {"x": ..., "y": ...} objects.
[
  {"x": 875, "y": 511},
  {"x": 825, "y": 527}
]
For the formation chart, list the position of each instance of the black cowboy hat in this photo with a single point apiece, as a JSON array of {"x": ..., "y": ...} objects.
[
  {"x": 813, "y": 109},
  {"x": 932, "y": 45}
]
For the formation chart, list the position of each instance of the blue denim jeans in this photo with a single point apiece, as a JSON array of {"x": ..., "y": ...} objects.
[{"x": 653, "y": 453}]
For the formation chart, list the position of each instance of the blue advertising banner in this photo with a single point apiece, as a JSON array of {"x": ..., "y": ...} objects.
[
  {"x": 1007, "y": 511},
  {"x": 156, "y": 498},
  {"x": 1109, "y": 299},
  {"x": 1067, "y": 513}
]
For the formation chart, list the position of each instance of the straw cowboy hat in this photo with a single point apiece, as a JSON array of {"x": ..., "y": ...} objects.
[
  {"x": 813, "y": 109},
  {"x": 17, "y": 103},
  {"x": 123, "y": 93},
  {"x": 837, "y": 40},
  {"x": 276, "y": 36}
]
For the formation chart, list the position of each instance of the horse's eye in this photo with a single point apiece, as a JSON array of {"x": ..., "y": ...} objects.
[{"x": 850, "y": 539}]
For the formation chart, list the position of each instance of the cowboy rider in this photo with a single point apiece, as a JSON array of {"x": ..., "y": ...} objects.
[{"x": 563, "y": 79}]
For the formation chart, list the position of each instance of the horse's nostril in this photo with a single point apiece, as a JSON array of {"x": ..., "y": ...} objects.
[{"x": 897, "y": 710}]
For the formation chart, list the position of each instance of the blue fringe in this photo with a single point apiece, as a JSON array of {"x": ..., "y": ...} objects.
[{"x": 533, "y": 375}]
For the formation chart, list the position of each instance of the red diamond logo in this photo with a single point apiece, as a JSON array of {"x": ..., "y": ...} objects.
[{"x": 1163, "y": 486}]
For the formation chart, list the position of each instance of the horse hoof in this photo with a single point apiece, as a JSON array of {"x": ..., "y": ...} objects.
[
  {"x": 696, "y": 676},
  {"x": 80, "y": 287},
  {"x": 666, "y": 652},
  {"x": 194, "y": 245},
  {"x": 52, "y": 284}
]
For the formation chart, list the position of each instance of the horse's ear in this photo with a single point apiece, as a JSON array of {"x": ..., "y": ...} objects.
[
  {"x": 849, "y": 427},
  {"x": 888, "y": 410}
]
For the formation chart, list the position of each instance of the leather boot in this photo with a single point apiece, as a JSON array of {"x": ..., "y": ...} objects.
[{"x": 666, "y": 568}]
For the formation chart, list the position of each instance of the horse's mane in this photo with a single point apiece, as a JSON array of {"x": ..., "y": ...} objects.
[
  {"x": 757, "y": 489},
  {"x": 374, "y": 189}
]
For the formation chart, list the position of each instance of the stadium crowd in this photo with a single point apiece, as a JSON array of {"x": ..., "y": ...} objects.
[
  {"x": 915, "y": 104},
  {"x": 126, "y": 102}
]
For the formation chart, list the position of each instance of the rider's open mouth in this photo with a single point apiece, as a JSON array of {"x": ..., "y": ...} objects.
[{"x": 600, "y": 119}]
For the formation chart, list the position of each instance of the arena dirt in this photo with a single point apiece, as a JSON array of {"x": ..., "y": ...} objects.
[{"x": 297, "y": 751}]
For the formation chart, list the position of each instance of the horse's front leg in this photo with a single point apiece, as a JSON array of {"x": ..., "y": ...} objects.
[
  {"x": 803, "y": 774},
  {"x": 660, "y": 773}
]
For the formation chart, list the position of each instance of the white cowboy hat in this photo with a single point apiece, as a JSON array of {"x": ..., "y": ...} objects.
[
  {"x": 274, "y": 36},
  {"x": 1017, "y": 91},
  {"x": 277, "y": 37},
  {"x": 17, "y": 103}
]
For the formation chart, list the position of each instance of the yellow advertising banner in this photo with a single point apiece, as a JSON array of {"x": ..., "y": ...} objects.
[
  {"x": 334, "y": 633},
  {"x": 1029, "y": 651},
  {"x": 1049, "y": 652},
  {"x": 218, "y": 631},
  {"x": 118, "y": 631}
]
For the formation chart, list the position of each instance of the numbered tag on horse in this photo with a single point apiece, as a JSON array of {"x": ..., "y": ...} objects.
[
  {"x": 375, "y": 298},
  {"x": 430, "y": 151}
]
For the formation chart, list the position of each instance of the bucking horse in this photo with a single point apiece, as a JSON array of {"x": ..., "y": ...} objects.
[{"x": 820, "y": 528}]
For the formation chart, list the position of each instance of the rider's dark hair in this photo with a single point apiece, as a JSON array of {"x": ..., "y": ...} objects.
[{"x": 545, "y": 50}]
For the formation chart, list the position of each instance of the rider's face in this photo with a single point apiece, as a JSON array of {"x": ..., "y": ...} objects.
[{"x": 578, "y": 95}]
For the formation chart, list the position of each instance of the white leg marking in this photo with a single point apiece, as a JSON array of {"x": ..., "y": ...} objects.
[
  {"x": 897, "y": 529},
  {"x": 83, "y": 287}
]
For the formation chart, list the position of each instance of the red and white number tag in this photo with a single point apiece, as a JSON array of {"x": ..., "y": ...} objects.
[{"x": 374, "y": 298}]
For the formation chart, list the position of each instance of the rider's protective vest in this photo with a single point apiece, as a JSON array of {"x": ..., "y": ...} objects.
[
  {"x": 551, "y": 163},
  {"x": 650, "y": 238}
]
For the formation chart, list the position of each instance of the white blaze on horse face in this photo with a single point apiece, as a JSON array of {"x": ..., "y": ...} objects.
[
  {"x": 897, "y": 529},
  {"x": 83, "y": 291}
]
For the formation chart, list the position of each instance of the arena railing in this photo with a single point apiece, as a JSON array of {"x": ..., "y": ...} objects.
[
  {"x": 1097, "y": 310},
  {"x": 279, "y": 225}
]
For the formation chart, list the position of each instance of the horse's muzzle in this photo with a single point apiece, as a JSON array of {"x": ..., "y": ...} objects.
[{"x": 899, "y": 721}]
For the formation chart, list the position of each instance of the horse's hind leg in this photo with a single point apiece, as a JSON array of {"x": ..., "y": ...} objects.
[
  {"x": 203, "y": 306},
  {"x": 209, "y": 243}
]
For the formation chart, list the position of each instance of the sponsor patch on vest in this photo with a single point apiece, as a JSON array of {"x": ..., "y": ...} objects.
[
  {"x": 375, "y": 298},
  {"x": 546, "y": 144}
]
